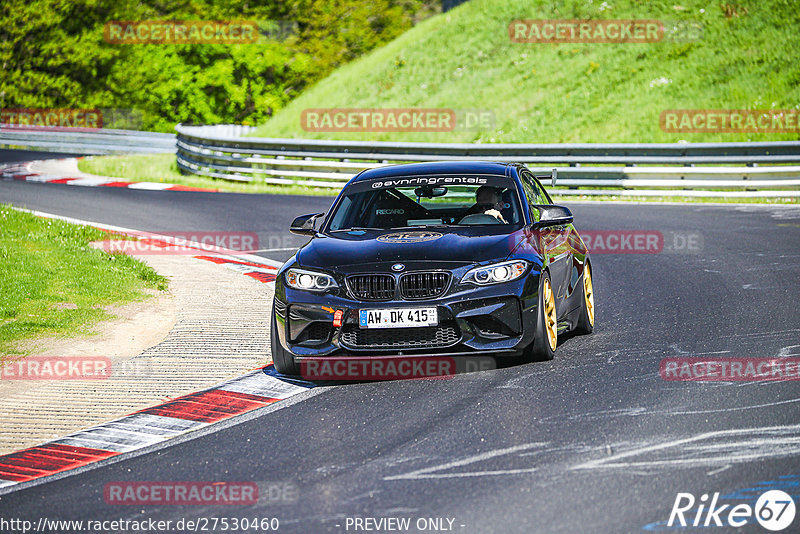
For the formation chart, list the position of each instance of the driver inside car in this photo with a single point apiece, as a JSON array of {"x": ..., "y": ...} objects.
[{"x": 488, "y": 201}]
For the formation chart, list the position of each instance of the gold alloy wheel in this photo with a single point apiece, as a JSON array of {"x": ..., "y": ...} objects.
[
  {"x": 550, "y": 314},
  {"x": 588, "y": 293}
]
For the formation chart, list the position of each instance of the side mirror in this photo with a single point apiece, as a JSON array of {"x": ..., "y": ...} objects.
[
  {"x": 552, "y": 215},
  {"x": 304, "y": 225}
]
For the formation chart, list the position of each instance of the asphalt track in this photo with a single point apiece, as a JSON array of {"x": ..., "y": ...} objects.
[{"x": 594, "y": 441}]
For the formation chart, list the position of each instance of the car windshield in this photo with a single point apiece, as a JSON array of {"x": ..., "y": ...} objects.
[{"x": 409, "y": 202}]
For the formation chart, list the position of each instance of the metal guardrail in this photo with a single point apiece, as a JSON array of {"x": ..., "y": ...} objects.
[
  {"x": 692, "y": 169},
  {"x": 221, "y": 151},
  {"x": 86, "y": 141}
]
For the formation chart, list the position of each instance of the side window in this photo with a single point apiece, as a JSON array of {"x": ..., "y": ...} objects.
[
  {"x": 534, "y": 194},
  {"x": 341, "y": 213},
  {"x": 531, "y": 196},
  {"x": 537, "y": 195},
  {"x": 541, "y": 193}
]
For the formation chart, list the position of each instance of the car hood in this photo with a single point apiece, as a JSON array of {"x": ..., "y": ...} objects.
[{"x": 457, "y": 246}]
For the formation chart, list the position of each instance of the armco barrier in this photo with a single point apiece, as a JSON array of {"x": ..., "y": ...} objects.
[
  {"x": 85, "y": 140},
  {"x": 688, "y": 169},
  {"x": 763, "y": 169}
]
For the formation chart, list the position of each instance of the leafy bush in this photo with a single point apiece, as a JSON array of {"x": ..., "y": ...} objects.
[{"x": 54, "y": 55}]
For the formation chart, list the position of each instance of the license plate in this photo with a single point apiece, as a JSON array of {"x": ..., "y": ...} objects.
[{"x": 398, "y": 318}]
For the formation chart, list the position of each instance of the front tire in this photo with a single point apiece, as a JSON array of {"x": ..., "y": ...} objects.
[
  {"x": 545, "y": 338},
  {"x": 586, "y": 318},
  {"x": 282, "y": 359}
]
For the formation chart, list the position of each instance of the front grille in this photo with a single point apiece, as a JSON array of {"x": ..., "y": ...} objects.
[
  {"x": 371, "y": 286},
  {"x": 401, "y": 338},
  {"x": 423, "y": 285}
]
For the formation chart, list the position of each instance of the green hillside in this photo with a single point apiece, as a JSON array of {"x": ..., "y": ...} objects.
[{"x": 746, "y": 58}]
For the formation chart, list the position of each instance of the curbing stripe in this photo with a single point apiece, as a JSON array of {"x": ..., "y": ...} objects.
[
  {"x": 149, "y": 185},
  {"x": 89, "y": 182},
  {"x": 24, "y": 173},
  {"x": 110, "y": 439},
  {"x": 41, "y": 178},
  {"x": 222, "y": 260},
  {"x": 263, "y": 277},
  {"x": 147, "y": 427},
  {"x": 141, "y": 430},
  {"x": 210, "y": 406},
  {"x": 253, "y": 384},
  {"x": 262, "y": 273},
  {"x": 27, "y": 465},
  {"x": 153, "y": 424}
]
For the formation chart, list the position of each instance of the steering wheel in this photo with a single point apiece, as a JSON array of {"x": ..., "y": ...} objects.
[{"x": 479, "y": 218}]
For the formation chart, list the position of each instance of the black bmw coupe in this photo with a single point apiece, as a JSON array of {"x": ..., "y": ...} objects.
[{"x": 433, "y": 259}]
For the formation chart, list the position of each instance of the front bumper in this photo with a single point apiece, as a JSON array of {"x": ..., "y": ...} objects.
[{"x": 472, "y": 320}]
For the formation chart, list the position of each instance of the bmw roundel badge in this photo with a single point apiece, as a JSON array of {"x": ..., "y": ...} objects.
[{"x": 397, "y": 267}]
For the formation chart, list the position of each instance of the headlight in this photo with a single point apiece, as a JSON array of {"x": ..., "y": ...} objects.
[
  {"x": 309, "y": 280},
  {"x": 496, "y": 273}
]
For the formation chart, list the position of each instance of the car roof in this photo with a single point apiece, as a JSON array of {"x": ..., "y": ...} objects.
[{"x": 436, "y": 167}]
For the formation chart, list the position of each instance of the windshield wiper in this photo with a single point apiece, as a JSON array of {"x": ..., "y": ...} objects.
[
  {"x": 438, "y": 225},
  {"x": 354, "y": 228},
  {"x": 364, "y": 228}
]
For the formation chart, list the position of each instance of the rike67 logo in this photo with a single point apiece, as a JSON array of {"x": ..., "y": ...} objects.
[{"x": 774, "y": 510}]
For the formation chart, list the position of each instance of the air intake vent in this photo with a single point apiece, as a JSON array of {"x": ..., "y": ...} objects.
[{"x": 424, "y": 337}]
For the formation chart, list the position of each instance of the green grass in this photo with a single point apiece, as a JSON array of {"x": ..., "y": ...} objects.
[
  {"x": 163, "y": 168},
  {"x": 563, "y": 93},
  {"x": 566, "y": 199},
  {"x": 53, "y": 283}
]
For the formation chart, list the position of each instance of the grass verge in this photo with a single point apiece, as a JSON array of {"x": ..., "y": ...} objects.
[
  {"x": 53, "y": 283},
  {"x": 566, "y": 199},
  {"x": 162, "y": 168}
]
